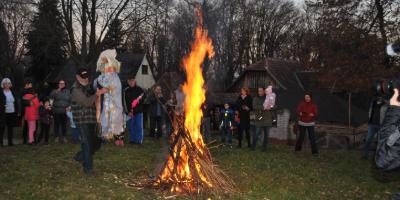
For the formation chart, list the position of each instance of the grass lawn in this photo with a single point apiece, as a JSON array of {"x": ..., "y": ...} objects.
[{"x": 49, "y": 172}]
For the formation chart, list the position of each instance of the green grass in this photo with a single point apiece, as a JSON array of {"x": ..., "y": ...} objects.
[{"x": 49, "y": 172}]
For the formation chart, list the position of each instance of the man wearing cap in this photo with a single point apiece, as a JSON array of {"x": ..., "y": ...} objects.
[
  {"x": 83, "y": 108},
  {"x": 134, "y": 110}
]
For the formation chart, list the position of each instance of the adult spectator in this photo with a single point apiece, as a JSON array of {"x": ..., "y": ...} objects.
[
  {"x": 61, "y": 100},
  {"x": 262, "y": 118},
  {"x": 157, "y": 102},
  {"x": 28, "y": 89},
  {"x": 83, "y": 109},
  {"x": 376, "y": 114},
  {"x": 135, "y": 112},
  {"x": 8, "y": 111},
  {"x": 307, "y": 112},
  {"x": 245, "y": 104}
]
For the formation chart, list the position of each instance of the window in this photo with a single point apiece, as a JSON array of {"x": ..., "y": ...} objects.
[{"x": 145, "y": 69}]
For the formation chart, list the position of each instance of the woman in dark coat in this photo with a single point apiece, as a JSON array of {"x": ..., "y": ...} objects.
[
  {"x": 8, "y": 111},
  {"x": 245, "y": 105}
]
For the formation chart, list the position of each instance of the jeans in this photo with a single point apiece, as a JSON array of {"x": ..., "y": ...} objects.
[
  {"x": 226, "y": 134},
  {"x": 311, "y": 136},
  {"x": 156, "y": 126},
  {"x": 372, "y": 130},
  {"x": 60, "y": 124},
  {"x": 257, "y": 133},
  {"x": 240, "y": 135},
  {"x": 75, "y": 133},
  {"x": 135, "y": 127},
  {"x": 90, "y": 143}
]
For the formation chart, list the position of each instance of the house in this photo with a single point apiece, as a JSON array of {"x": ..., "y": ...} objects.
[
  {"x": 131, "y": 64},
  {"x": 136, "y": 64},
  {"x": 290, "y": 82}
]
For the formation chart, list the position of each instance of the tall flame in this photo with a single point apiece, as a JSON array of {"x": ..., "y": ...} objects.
[
  {"x": 181, "y": 168},
  {"x": 194, "y": 86}
]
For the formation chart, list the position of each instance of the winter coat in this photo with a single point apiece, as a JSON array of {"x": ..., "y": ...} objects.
[
  {"x": 32, "y": 111},
  {"x": 244, "y": 115},
  {"x": 44, "y": 115},
  {"x": 260, "y": 117},
  {"x": 227, "y": 117},
  {"x": 130, "y": 94},
  {"x": 83, "y": 104},
  {"x": 12, "y": 119},
  {"x": 153, "y": 105},
  {"x": 387, "y": 155},
  {"x": 62, "y": 99},
  {"x": 24, "y": 103},
  {"x": 306, "y": 108}
]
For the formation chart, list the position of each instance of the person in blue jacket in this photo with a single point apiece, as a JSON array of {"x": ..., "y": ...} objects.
[{"x": 227, "y": 124}]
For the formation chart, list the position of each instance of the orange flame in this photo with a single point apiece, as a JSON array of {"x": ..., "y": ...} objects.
[
  {"x": 195, "y": 96},
  {"x": 193, "y": 88}
]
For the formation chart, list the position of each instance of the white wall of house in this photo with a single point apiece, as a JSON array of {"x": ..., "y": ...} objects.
[
  {"x": 145, "y": 81},
  {"x": 282, "y": 131}
]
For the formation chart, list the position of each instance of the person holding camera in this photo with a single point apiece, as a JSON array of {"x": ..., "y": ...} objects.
[
  {"x": 387, "y": 155},
  {"x": 307, "y": 111},
  {"x": 376, "y": 114}
]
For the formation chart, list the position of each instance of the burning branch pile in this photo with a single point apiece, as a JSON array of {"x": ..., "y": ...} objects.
[{"x": 189, "y": 167}]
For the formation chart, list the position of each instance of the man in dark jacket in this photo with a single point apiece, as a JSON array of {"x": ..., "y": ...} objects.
[
  {"x": 376, "y": 114},
  {"x": 157, "y": 102},
  {"x": 132, "y": 94},
  {"x": 84, "y": 111}
]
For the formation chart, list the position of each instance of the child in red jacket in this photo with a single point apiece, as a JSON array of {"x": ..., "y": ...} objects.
[
  {"x": 31, "y": 114},
  {"x": 307, "y": 112}
]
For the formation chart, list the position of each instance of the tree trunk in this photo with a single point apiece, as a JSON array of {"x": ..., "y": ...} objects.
[
  {"x": 381, "y": 19},
  {"x": 84, "y": 33},
  {"x": 92, "y": 37},
  {"x": 349, "y": 111}
]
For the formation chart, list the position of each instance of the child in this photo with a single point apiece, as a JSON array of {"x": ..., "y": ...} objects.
[
  {"x": 227, "y": 123},
  {"x": 31, "y": 114},
  {"x": 45, "y": 121},
  {"x": 269, "y": 103},
  {"x": 75, "y": 133}
]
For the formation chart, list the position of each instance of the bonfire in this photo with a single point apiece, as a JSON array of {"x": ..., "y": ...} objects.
[{"x": 189, "y": 167}]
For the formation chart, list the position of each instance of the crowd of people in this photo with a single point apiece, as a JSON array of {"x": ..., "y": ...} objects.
[
  {"x": 101, "y": 110},
  {"x": 56, "y": 110}
]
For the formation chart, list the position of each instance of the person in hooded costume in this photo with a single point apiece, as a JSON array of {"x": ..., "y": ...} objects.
[{"x": 109, "y": 109}]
